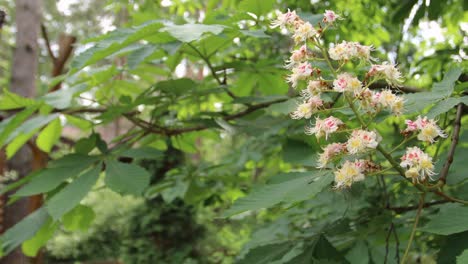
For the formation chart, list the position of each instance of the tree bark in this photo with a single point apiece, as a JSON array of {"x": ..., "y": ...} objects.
[{"x": 23, "y": 82}]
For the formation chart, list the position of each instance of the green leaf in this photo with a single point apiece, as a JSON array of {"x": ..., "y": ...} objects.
[
  {"x": 257, "y": 7},
  {"x": 73, "y": 193},
  {"x": 463, "y": 258},
  {"x": 78, "y": 122},
  {"x": 299, "y": 152},
  {"x": 32, "y": 246},
  {"x": 85, "y": 145},
  {"x": 417, "y": 102},
  {"x": 80, "y": 218},
  {"x": 445, "y": 87},
  {"x": 191, "y": 32},
  {"x": 451, "y": 247},
  {"x": 49, "y": 136},
  {"x": 23, "y": 230},
  {"x": 267, "y": 254},
  {"x": 359, "y": 253},
  {"x": 10, "y": 124},
  {"x": 449, "y": 220},
  {"x": 63, "y": 98},
  {"x": 139, "y": 55},
  {"x": 24, "y": 132},
  {"x": 126, "y": 178},
  {"x": 10, "y": 101},
  {"x": 294, "y": 188},
  {"x": 284, "y": 107},
  {"x": 177, "y": 86},
  {"x": 114, "y": 42},
  {"x": 443, "y": 106},
  {"x": 57, "y": 172}
]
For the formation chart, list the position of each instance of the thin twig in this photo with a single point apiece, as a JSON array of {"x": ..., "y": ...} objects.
[
  {"x": 387, "y": 240},
  {"x": 212, "y": 70},
  {"x": 413, "y": 232},
  {"x": 153, "y": 128},
  {"x": 397, "y": 245},
  {"x": 455, "y": 135}
]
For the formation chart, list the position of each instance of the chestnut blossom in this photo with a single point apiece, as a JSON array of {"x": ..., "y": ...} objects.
[
  {"x": 285, "y": 19},
  {"x": 361, "y": 140},
  {"x": 329, "y": 17},
  {"x": 390, "y": 100},
  {"x": 314, "y": 87},
  {"x": 325, "y": 127},
  {"x": 329, "y": 152},
  {"x": 303, "y": 32},
  {"x": 349, "y": 173},
  {"x": 346, "y": 51},
  {"x": 306, "y": 109},
  {"x": 345, "y": 82},
  {"x": 297, "y": 57},
  {"x": 418, "y": 164},
  {"x": 428, "y": 129},
  {"x": 387, "y": 71},
  {"x": 300, "y": 72}
]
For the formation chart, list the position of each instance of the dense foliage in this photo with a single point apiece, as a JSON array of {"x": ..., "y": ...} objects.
[{"x": 208, "y": 165}]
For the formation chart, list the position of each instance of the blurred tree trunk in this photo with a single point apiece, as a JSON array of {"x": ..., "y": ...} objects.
[{"x": 23, "y": 82}]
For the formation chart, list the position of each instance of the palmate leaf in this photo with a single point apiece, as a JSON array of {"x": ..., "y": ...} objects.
[{"x": 293, "y": 188}]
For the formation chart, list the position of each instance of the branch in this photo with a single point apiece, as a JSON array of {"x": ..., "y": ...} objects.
[
  {"x": 400, "y": 210},
  {"x": 155, "y": 129},
  {"x": 47, "y": 42},
  {"x": 455, "y": 136}
]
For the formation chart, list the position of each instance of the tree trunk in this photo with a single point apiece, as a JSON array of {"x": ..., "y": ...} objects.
[{"x": 23, "y": 82}]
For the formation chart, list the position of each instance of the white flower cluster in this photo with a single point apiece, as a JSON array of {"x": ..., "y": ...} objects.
[
  {"x": 428, "y": 129},
  {"x": 418, "y": 164},
  {"x": 307, "y": 108},
  {"x": 346, "y": 51},
  {"x": 387, "y": 71},
  {"x": 352, "y": 171},
  {"x": 361, "y": 141},
  {"x": 325, "y": 127},
  {"x": 345, "y": 82}
]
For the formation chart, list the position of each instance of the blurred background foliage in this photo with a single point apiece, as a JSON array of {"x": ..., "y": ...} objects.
[{"x": 188, "y": 77}]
